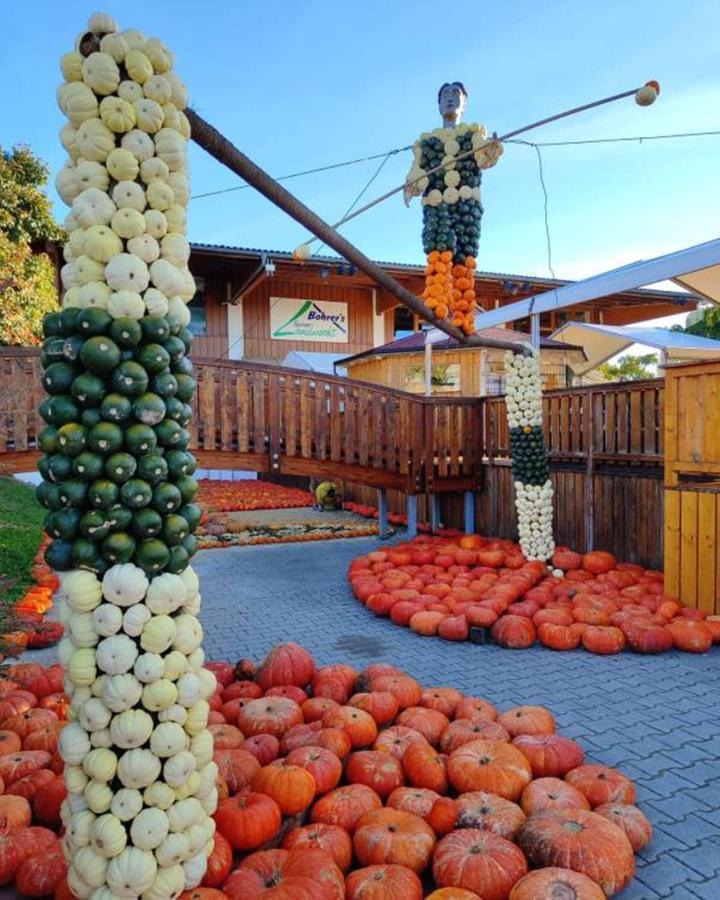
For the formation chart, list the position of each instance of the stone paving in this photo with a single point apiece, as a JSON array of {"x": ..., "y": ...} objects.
[{"x": 655, "y": 718}]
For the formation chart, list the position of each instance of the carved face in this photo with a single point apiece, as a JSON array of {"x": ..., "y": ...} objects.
[{"x": 452, "y": 101}]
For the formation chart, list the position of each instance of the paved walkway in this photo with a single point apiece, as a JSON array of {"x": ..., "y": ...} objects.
[{"x": 656, "y": 718}]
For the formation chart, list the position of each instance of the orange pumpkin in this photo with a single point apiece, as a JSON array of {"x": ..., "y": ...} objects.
[
  {"x": 478, "y": 861},
  {"x": 322, "y": 764},
  {"x": 315, "y": 708},
  {"x": 601, "y": 784},
  {"x": 493, "y": 766},
  {"x": 219, "y": 862},
  {"x": 334, "y": 739},
  {"x": 407, "y": 691},
  {"x": 268, "y": 715},
  {"x": 9, "y": 743},
  {"x": 383, "y": 883},
  {"x": 394, "y": 837},
  {"x": 443, "y": 699},
  {"x": 604, "y": 639},
  {"x": 514, "y": 632},
  {"x": 415, "y": 800},
  {"x": 425, "y": 767},
  {"x": 475, "y": 708},
  {"x": 462, "y": 731},
  {"x": 248, "y": 819},
  {"x": 598, "y": 562},
  {"x": 553, "y": 883},
  {"x": 29, "y": 785},
  {"x": 552, "y": 793},
  {"x": 430, "y": 723},
  {"x": 397, "y": 739},
  {"x": 489, "y": 812},
  {"x": 528, "y": 720},
  {"x": 330, "y": 839},
  {"x": 549, "y": 754},
  {"x": 344, "y": 806},
  {"x": 46, "y": 803},
  {"x": 226, "y": 737},
  {"x": 16, "y": 765},
  {"x": 291, "y": 787},
  {"x": 582, "y": 841},
  {"x": 286, "y": 875},
  {"x": 39, "y": 874},
  {"x": 299, "y": 736},
  {"x": 264, "y": 747},
  {"x": 381, "y": 705},
  {"x": 286, "y": 664},
  {"x": 557, "y": 636},
  {"x": 631, "y": 820},
  {"x": 452, "y": 893},
  {"x": 237, "y": 767},
  {"x": 690, "y": 636},
  {"x": 377, "y": 769}
]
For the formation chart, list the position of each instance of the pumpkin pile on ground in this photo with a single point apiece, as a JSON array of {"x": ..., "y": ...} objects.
[
  {"x": 466, "y": 586},
  {"x": 336, "y": 783}
]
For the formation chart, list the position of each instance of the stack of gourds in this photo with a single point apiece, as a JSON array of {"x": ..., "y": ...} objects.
[{"x": 118, "y": 479}]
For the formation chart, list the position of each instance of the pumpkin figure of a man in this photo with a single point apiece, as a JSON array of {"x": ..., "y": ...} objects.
[{"x": 451, "y": 205}]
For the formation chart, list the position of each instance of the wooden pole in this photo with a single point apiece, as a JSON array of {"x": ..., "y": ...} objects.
[{"x": 218, "y": 146}]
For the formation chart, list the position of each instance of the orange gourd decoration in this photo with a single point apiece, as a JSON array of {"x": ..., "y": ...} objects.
[
  {"x": 443, "y": 699},
  {"x": 15, "y": 813},
  {"x": 601, "y": 784},
  {"x": 237, "y": 767},
  {"x": 359, "y": 726},
  {"x": 478, "y": 861},
  {"x": 345, "y": 806},
  {"x": 462, "y": 731},
  {"x": 475, "y": 708},
  {"x": 430, "y": 723},
  {"x": 286, "y": 664},
  {"x": 248, "y": 819},
  {"x": 322, "y": 764},
  {"x": 286, "y": 875},
  {"x": 555, "y": 884},
  {"x": 394, "y": 837},
  {"x": 330, "y": 839},
  {"x": 492, "y": 766},
  {"x": 415, "y": 800},
  {"x": 291, "y": 787},
  {"x": 377, "y": 769},
  {"x": 381, "y": 705},
  {"x": 528, "y": 720},
  {"x": 549, "y": 754},
  {"x": 489, "y": 812},
  {"x": 552, "y": 793},
  {"x": 631, "y": 820},
  {"x": 383, "y": 883},
  {"x": 271, "y": 715},
  {"x": 425, "y": 767},
  {"x": 397, "y": 739}
]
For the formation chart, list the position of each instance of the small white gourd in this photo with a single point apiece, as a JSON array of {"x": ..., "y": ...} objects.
[
  {"x": 121, "y": 692},
  {"x": 138, "y": 66},
  {"x": 156, "y": 302},
  {"x": 166, "y": 593},
  {"x": 197, "y": 718},
  {"x": 101, "y": 243},
  {"x": 126, "y": 804},
  {"x": 129, "y": 195},
  {"x": 168, "y": 885},
  {"x": 149, "y": 828},
  {"x": 174, "y": 713},
  {"x": 137, "y": 142},
  {"x": 149, "y": 115},
  {"x": 78, "y": 827},
  {"x": 102, "y": 23},
  {"x": 157, "y": 88},
  {"x": 100, "y": 764},
  {"x": 188, "y": 633},
  {"x": 78, "y": 887},
  {"x": 127, "y": 223},
  {"x": 184, "y": 814},
  {"x": 121, "y": 164},
  {"x": 159, "y": 195},
  {"x": 158, "y": 634},
  {"x": 75, "y": 779},
  {"x": 149, "y": 667},
  {"x": 93, "y": 207},
  {"x": 188, "y": 689},
  {"x": 101, "y": 73},
  {"x": 155, "y": 223},
  {"x": 131, "y": 728},
  {"x": 176, "y": 219},
  {"x": 165, "y": 276},
  {"x": 94, "y": 294},
  {"x": 132, "y": 872},
  {"x": 98, "y": 796},
  {"x": 159, "y": 794},
  {"x": 71, "y": 65},
  {"x": 126, "y": 305},
  {"x": 81, "y": 668},
  {"x": 195, "y": 869},
  {"x": 158, "y": 54},
  {"x": 108, "y": 619},
  {"x": 90, "y": 865},
  {"x": 93, "y": 714},
  {"x": 116, "y": 655},
  {"x": 67, "y": 183},
  {"x": 201, "y": 747},
  {"x": 118, "y": 115},
  {"x": 78, "y": 102},
  {"x": 101, "y": 739},
  {"x": 147, "y": 249},
  {"x": 159, "y": 695},
  {"x": 126, "y": 272},
  {"x": 171, "y": 147},
  {"x": 124, "y": 584},
  {"x": 114, "y": 45},
  {"x": 176, "y": 664},
  {"x": 108, "y": 836},
  {"x": 93, "y": 140},
  {"x": 178, "y": 768},
  {"x": 169, "y": 738},
  {"x": 138, "y": 768},
  {"x": 81, "y": 630},
  {"x": 174, "y": 849},
  {"x": 135, "y": 618}
]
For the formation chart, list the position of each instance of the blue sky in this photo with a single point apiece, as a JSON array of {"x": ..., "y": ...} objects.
[{"x": 298, "y": 85}]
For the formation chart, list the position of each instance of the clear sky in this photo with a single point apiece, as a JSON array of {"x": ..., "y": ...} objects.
[{"x": 303, "y": 84}]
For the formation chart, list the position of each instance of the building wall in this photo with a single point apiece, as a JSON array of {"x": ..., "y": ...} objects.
[{"x": 214, "y": 343}]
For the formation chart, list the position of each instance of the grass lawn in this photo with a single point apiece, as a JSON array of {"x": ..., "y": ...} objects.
[{"x": 21, "y": 527}]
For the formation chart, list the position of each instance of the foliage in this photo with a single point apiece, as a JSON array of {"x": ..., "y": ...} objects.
[
  {"x": 21, "y": 526},
  {"x": 704, "y": 322},
  {"x": 27, "y": 280},
  {"x": 630, "y": 368}
]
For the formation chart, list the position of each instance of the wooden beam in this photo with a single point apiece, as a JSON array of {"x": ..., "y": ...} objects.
[{"x": 219, "y": 147}]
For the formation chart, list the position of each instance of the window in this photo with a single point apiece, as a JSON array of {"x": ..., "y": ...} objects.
[
  {"x": 572, "y": 315},
  {"x": 198, "y": 312},
  {"x": 404, "y": 322}
]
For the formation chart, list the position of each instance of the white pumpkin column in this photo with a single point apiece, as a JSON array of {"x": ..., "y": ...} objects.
[{"x": 138, "y": 756}]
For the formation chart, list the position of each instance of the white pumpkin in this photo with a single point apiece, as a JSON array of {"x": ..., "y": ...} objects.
[
  {"x": 94, "y": 141},
  {"x": 210, "y": 801},
  {"x": 75, "y": 779},
  {"x": 184, "y": 814},
  {"x": 101, "y": 243},
  {"x": 67, "y": 138},
  {"x": 188, "y": 633},
  {"x": 78, "y": 102},
  {"x": 121, "y": 692},
  {"x": 166, "y": 277},
  {"x": 138, "y": 66},
  {"x": 90, "y": 866},
  {"x": 201, "y": 747},
  {"x": 131, "y": 873},
  {"x": 156, "y": 302},
  {"x": 130, "y": 195},
  {"x": 188, "y": 688},
  {"x": 124, "y": 584},
  {"x": 138, "y": 768},
  {"x": 195, "y": 869},
  {"x": 208, "y": 683},
  {"x": 135, "y": 39},
  {"x": 126, "y": 304},
  {"x": 94, "y": 715},
  {"x": 102, "y": 23},
  {"x": 155, "y": 223},
  {"x": 176, "y": 664},
  {"x": 149, "y": 115},
  {"x": 169, "y": 738},
  {"x": 70, "y": 223},
  {"x": 67, "y": 184},
  {"x": 78, "y": 827},
  {"x": 92, "y": 207},
  {"x": 117, "y": 114},
  {"x": 76, "y": 802},
  {"x": 116, "y": 655},
  {"x": 157, "y": 88},
  {"x": 173, "y": 117},
  {"x": 81, "y": 630},
  {"x": 149, "y": 828},
  {"x": 98, "y": 796},
  {"x": 101, "y": 73},
  {"x": 178, "y": 768},
  {"x": 180, "y": 184},
  {"x": 197, "y": 718},
  {"x": 131, "y": 728},
  {"x": 136, "y": 141},
  {"x": 81, "y": 667},
  {"x": 171, "y": 147},
  {"x": 207, "y": 778},
  {"x": 176, "y": 219},
  {"x": 159, "y": 195},
  {"x": 114, "y": 45},
  {"x": 101, "y": 739},
  {"x": 92, "y": 174},
  {"x": 96, "y": 294},
  {"x": 192, "y": 582},
  {"x": 68, "y": 276},
  {"x": 179, "y": 91},
  {"x": 153, "y": 169},
  {"x": 122, "y": 165},
  {"x": 98, "y": 686},
  {"x": 168, "y": 885},
  {"x": 87, "y": 269},
  {"x": 175, "y": 248},
  {"x": 108, "y": 836},
  {"x": 73, "y": 744},
  {"x": 173, "y": 850},
  {"x": 126, "y": 804},
  {"x": 158, "y": 54},
  {"x": 197, "y": 835},
  {"x": 146, "y": 248},
  {"x": 158, "y": 634},
  {"x": 135, "y": 618},
  {"x": 108, "y": 619},
  {"x": 127, "y": 223},
  {"x": 71, "y": 65},
  {"x": 196, "y": 659},
  {"x": 149, "y": 667},
  {"x": 166, "y": 593},
  {"x": 160, "y": 795},
  {"x": 192, "y": 607},
  {"x": 174, "y": 713},
  {"x": 100, "y": 764},
  {"x": 159, "y": 695},
  {"x": 77, "y": 886}
]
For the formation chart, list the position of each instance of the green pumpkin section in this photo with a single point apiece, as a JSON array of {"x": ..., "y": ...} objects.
[{"x": 117, "y": 477}]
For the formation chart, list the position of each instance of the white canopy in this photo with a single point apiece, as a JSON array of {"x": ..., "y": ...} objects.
[
  {"x": 695, "y": 268},
  {"x": 601, "y": 342}
]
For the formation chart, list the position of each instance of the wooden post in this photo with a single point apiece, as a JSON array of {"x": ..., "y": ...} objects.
[
  {"x": 435, "y": 511},
  {"x": 469, "y": 511},
  {"x": 382, "y": 513},
  {"x": 589, "y": 493},
  {"x": 411, "y": 515}
]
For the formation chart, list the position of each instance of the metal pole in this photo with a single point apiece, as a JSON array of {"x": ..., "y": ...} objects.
[
  {"x": 535, "y": 331},
  {"x": 382, "y": 513},
  {"x": 412, "y": 515},
  {"x": 428, "y": 369}
]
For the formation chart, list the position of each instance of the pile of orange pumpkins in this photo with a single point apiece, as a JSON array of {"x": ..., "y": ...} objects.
[
  {"x": 363, "y": 785},
  {"x": 472, "y": 587},
  {"x": 25, "y": 627}
]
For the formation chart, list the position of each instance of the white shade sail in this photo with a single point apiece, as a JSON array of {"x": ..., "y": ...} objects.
[
  {"x": 695, "y": 268},
  {"x": 601, "y": 342}
]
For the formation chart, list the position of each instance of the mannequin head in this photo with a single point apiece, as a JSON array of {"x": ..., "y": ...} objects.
[{"x": 452, "y": 100}]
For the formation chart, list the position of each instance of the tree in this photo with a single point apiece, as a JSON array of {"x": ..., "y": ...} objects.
[
  {"x": 704, "y": 322},
  {"x": 630, "y": 368},
  {"x": 27, "y": 279}
]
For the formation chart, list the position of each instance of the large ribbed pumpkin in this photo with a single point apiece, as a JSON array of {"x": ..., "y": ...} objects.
[
  {"x": 549, "y": 754},
  {"x": 479, "y": 861},
  {"x": 392, "y": 836},
  {"x": 493, "y": 766},
  {"x": 286, "y": 664},
  {"x": 286, "y": 875},
  {"x": 601, "y": 784},
  {"x": 489, "y": 812},
  {"x": 383, "y": 883},
  {"x": 582, "y": 841},
  {"x": 556, "y": 884}
]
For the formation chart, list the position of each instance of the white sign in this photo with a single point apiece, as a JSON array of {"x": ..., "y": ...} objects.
[{"x": 308, "y": 320}]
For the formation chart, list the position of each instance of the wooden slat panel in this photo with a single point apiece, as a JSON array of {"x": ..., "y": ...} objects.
[
  {"x": 707, "y": 551},
  {"x": 689, "y": 547},
  {"x": 244, "y": 405}
]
